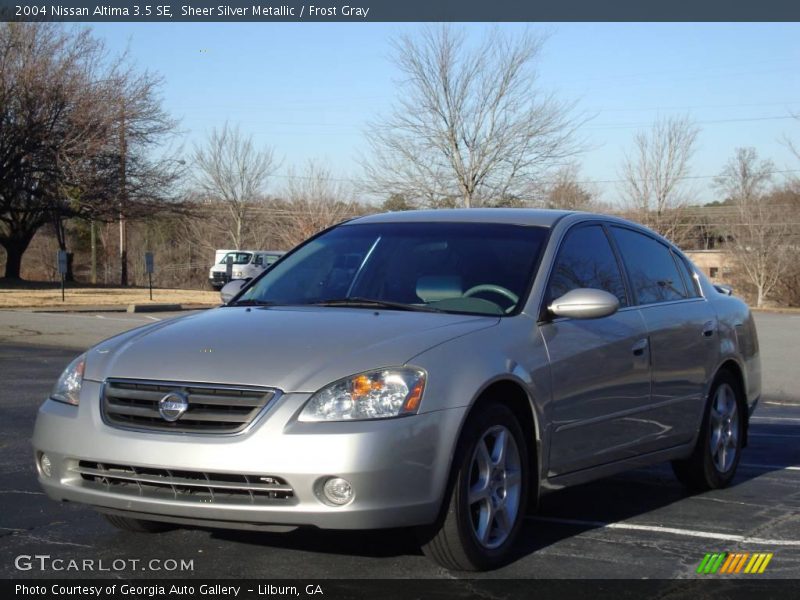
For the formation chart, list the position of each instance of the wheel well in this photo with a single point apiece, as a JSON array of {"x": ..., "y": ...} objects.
[
  {"x": 515, "y": 398},
  {"x": 732, "y": 368}
]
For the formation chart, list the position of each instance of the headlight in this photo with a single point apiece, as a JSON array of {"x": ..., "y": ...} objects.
[
  {"x": 238, "y": 275},
  {"x": 68, "y": 386},
  {"x": 379, "y": 394}
]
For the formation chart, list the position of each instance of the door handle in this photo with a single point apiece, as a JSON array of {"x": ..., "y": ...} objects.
[
  {"x": 639, "y": 347},
  {"x": 708, "y": 328}
]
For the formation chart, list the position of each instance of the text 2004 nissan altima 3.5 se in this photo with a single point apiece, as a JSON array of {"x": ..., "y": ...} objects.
[{"x": 434, "y": 369}]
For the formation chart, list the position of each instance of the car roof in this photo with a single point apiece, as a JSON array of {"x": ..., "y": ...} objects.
[{"x": 516, "y": 216}]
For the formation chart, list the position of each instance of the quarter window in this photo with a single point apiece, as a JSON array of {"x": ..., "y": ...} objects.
[
  {"x": 651, "y": 268},
  {"x": 691, "y": 282},
  {"x": 586, "y": 260}
]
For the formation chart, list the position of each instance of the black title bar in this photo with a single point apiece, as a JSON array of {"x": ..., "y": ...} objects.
[
  {"x": 716, "y": 588},
  {"x": 400, "y": 10}
]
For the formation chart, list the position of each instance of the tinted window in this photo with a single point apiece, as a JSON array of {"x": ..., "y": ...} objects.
[
  {"x": 691, "y": 283},
  {"x": 453, "y": 267},
  {"x": 653, "y": 273},
  {"x": 239, "y": 258},
  {"x": 586, "y": 260}
]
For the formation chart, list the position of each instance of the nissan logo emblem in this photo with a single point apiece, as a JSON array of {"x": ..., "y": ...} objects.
[{"x": 172, "y": 406}]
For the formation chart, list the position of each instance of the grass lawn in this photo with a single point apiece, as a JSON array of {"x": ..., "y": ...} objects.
[{"x": 38, "y": 295}]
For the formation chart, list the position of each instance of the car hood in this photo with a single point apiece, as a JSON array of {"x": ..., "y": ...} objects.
[{"x": 296, "y": 349}]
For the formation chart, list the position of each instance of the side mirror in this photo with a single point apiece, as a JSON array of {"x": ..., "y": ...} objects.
[
  {"x": 724, "y": 289},
  {"x": 585, "y": 303},
  {"x": 230, "y": 289}
]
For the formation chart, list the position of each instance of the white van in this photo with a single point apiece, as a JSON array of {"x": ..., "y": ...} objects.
[{"x": 246, "y": 264}]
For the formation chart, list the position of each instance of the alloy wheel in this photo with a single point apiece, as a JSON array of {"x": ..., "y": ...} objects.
[
  {"x": 495, "y": 486},
  {"x": 724, "y": 423}
]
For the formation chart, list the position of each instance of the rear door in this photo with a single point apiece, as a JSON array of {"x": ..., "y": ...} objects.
[
  {"x": 681, "y": 329},
  {"x": 600, "y": 368}
]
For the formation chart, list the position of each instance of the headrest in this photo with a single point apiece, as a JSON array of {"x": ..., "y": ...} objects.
[{"x": 432, "y": 288}]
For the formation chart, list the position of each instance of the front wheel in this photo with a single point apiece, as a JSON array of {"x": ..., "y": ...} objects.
[
  {"x": 713, "y": 463},
  {"x": 486, "y": 503}
]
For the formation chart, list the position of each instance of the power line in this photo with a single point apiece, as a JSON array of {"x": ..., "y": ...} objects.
[
  {"x": 696, "y": 106},
  {"x": 544, "y": 181},
  {"x": 709, "y": 122}
]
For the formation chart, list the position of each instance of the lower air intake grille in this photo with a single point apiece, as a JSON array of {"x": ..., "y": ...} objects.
[{"x": 187, "y": 486}]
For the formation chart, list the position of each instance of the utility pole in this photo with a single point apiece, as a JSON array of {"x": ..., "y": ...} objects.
[
  {"x": 123, "y": 201},
  {"x": 93, "y": 230}
]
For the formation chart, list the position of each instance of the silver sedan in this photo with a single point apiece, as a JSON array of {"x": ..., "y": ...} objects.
[{"x": 438, "y": 370}]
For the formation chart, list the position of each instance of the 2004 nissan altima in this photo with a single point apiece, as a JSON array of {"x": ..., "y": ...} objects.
[{"x": 434, "y": 369}]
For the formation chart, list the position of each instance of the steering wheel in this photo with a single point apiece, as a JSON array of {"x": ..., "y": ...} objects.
[{"x": 495, "y": 289}]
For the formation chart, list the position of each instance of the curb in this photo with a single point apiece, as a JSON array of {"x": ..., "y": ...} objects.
[
  {"x": 140, "y": 308},
  {"x": 137, "y": 308}
]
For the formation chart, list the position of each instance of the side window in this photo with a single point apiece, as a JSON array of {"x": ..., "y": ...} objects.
[
  {"x": 652, "y": 271},
  {"x": 586, "y": 260},
  {"x": 691, "y": 283},
  {"x": 258, "y": 260}
]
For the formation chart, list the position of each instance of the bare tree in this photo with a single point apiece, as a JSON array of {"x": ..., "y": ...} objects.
[
  {"x": 314, "y": 200},
  {"x": 49, "y": 121},
  {"x": 794, "y": 148},
  {"x": 654, "y": 190},
  {"x": 758, "y": 233},
  {"x": 232, "y": 171},
  {"x": 67, "y": 150},
  {"x": 471, "y": 126},
  {"x": 566, "y": 191},
  {"x": 122, "y": 180}
]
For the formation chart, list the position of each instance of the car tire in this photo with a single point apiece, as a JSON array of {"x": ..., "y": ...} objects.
[
  {"x": 487, "y": 496},
  {"x": 712, "y": 464},
  {"x": 137, "y": 525}
]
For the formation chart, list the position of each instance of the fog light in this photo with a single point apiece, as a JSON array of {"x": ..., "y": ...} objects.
[
  {"x": 45, "y": 465},
  {"x": 338, "y": 491}
]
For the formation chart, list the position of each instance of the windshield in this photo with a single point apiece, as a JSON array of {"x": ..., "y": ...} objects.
[
  {"x": 449, "y": 267},
  {"x": 239, "y": 258}
]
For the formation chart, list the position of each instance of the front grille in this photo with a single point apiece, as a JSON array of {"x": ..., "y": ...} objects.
[
  {"x": 133, "y": 404},
  {"x": 221, "y": 277},
  {"x": 187, "y": 486}
]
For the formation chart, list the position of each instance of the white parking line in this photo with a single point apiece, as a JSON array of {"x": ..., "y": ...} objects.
[
  {"x": 775, "y": 419},
  {"x": 710, "y": 535},
  {"x": 111, "y": 318},
  {"x": 769, "y": 467}
]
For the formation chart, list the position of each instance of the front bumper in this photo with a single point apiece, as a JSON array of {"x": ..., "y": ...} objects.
[{"x": 398, "y": 467}]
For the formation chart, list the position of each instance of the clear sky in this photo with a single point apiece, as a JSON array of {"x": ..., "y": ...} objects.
[{"x": 307, "y": 89}]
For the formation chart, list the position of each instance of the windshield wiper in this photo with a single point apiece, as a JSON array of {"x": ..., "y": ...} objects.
[
  {"x": 252, "y": 302},
  {"x": 370, "y": 302}
]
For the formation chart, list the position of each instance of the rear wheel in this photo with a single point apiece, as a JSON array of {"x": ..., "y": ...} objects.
[
  {"x": 713, "y": 463},
  {"x": 487, "y": 499},
  {"x": 137, "y": 525}
]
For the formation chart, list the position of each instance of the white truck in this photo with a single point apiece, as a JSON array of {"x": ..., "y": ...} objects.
[{"x": 246, "y": 264}]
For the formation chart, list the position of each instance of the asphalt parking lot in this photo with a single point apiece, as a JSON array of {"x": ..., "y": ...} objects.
[{"x": 641, "y": 524}]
